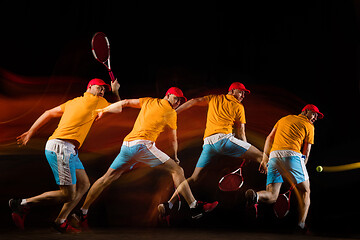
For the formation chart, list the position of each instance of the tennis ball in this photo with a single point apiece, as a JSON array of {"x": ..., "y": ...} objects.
[{"x": 319, "y": 168}]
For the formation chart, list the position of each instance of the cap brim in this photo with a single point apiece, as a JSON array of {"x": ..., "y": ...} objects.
[{"x": 321, "y": 116}]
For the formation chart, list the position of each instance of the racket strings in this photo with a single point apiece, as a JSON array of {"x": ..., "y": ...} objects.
[
  {"x": 231, "y": 182},
  {"x": 281, "y": 207},
  {"x": 101, "y": 47}
]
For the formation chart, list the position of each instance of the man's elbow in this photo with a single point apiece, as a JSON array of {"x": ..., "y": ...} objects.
[
  {"x": 51, "y": 114},
  {"x": 269, "y": 139}
]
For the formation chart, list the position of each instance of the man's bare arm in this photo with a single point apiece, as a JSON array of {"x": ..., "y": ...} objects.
[
  {"x": 118, "y": 106},
  {"x": 267, "y": 147},
  {"x": 41, "y": 121},
  {"x": 240, "y": 131},
  {"x": 201, "y": 101},
  {"x": 306, "y": 151},
  {"x": 174, "y": 144}
]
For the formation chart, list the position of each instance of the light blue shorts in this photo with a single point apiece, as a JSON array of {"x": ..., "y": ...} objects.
[
  {"x": 63, "y": 159},
  {"x": 138, "y": 151},
  {"x": 221, "y": 144},
  {"x": 286, "y": 164}
]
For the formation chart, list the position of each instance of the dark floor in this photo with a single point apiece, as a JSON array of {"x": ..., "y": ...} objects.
[{"x": 161, "y": 233}]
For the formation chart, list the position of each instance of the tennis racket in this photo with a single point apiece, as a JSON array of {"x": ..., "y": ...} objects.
[
  {"x": 232, "y": 181},
  {"x": 101, "y": 50},
  {"x": 282, "y": 204}
]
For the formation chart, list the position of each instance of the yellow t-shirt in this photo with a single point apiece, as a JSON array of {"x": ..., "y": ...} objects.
[
  {"x": 78, "y": 117},
  {"x": 291, "y": 132},
  {"x": 154, "y": 115},
  {"x": 223, "y": 111}
]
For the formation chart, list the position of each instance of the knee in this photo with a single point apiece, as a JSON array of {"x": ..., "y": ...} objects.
[
  {"x": 108, "y": 179},
  {"x": 304, "y": 190},
  {"x": 306, "y": 194},
  {"x": 84, "y": 186},
  {"x": 194, "y": 178},
  {"x": 253, "y": 154},
  {"x": 69, "y": 196},
  {"x": 272, "y": 198},
  {"x": 177, "y": 170}
]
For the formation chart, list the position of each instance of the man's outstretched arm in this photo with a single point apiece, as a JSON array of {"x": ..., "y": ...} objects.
[
  {"x": 41, "y": 121},
  {"x": 201, "y": 101}
]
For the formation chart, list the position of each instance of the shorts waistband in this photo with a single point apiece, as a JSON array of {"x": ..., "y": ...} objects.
[
  {"x": 216, "y": 137},
  {"x": 136, "y": 142},
  {"x": 50, "y": 144},
  {"x": 284, "y": 153}
]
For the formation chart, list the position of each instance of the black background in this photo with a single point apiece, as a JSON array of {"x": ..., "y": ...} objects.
[{"x": 308, "y": 49}]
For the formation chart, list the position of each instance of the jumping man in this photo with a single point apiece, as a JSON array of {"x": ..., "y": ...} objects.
[
  {"x": 288, "y": 147},
  {"x": 223, "y": 112},
  {"x": 139, "y": 146},
  {"x": 77, "y": 116}
]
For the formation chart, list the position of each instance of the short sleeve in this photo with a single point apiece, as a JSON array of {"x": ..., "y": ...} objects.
[
  {"x": 241, "y": 114},
  {"x": 208, "y": 98},
  {"x": 143, "y": 100},
  {"x": 310, "y": 133},
  {"x": 172, "y": 119}
]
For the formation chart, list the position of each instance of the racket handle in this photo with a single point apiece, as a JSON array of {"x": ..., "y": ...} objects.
[{"x": 111, "y": 76}]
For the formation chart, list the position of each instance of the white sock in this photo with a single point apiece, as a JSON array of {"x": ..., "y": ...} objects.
[
  {"x": 193, "y": 204},
  {"x": 84, "y": 211},
  {"x": 302, "y": 225},
  {"x": 60, "y": 221},
  {"x": 23, "y": 202},
  {"x": 170, "y": 204}
]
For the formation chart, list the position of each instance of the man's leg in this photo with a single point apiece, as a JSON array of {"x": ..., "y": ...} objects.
[
  {"x": 191, "y": 180},
  {"x": 253, "y": 154},
  {"x": 197, "y": 208},
  {"x": 207, "y": 154},
  {"x": 65, "y": 194},
  {"x": 182, "y": 186},
  {"x": 304, "y": 203},
  {"x": 100, "y": 185},
  {"x": 274, "y": 181},
  {"x": 271, "y": 193},
  {"x": 82, "y": 185},
  {"x": 20, "y": 207}
]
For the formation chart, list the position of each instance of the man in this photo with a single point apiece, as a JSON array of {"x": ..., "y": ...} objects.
[
  {"x": 288, "y": 148},
  {"x": 139, "y": 146},
  {"x": 224, "y": 112},
  {"x": 77, "y": 116}
]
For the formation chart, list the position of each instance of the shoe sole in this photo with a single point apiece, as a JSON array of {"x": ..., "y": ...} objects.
[
  {"x": 209, "y": 210},
  {"x": 79, "y": 224},
  {"x": 206, "y": 211}
]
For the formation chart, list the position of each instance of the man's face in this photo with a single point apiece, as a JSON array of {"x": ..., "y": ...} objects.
[
  {"x": 174, "y": 100},
  {"x": 238, "y": 94},
  {"x": 312, "y": 116},
  {"x": 97, "y": 90}
]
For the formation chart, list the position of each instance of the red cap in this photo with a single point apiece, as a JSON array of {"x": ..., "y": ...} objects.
[
  {"x": 313, "y": 108},
  {"x": 176, "y": 91},
  {"x": 98, "y": 81},
  {"x": 240, "y": 86}
]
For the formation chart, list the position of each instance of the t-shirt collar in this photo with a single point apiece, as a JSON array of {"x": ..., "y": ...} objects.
[{"x": 231, "y": 97}]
